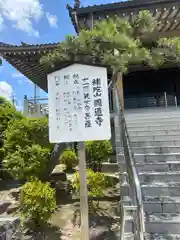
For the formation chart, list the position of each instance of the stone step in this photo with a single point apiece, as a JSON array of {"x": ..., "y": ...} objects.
[
  {"x": 152, "y": 117},
  {"x": 151, "y": 128},
  {"x": 127, "y": 236},
  {"x": 147, "y": 167},
  {"x": 153, "y": 143},
  {"x": 169, "y": 137},
  {"x": 162, "y": 237},
  {"x": 158, "y": 189},
  {"x": 151, "y": 149},
  {"x": 163, "y": 223},
  {"x": 154, "y": 133},
  {"x": 156, "y": 120},
  {"x": 161, "y": 167},
  {"x": 165, "y": 204},
  {"x": 140, "y": 118},
  {"x": 152, "y": 112},
  {"x": 152, "y": 123},
  {"x": 153, "y": 157},
  {"x": 160, "y": 223},
  {"x": 148, "y": 177}
]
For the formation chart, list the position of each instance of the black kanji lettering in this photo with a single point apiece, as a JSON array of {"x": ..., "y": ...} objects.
[
  {"x": 87, "y": 116},
  {"x": 88, "y": 124},
  {"x": 87, "y": 107},
  {"x": 57, "y": 81},
  {"x": 85, "y": 86},
  {"x": 98, "y": 112},
  {"x": 97, "y": 91},
  {"x": 66, "y": 77},
  {"x": 58, "y": 111},
  {"x": 98, "y": 103},
  {"x": 96, "y": 82},
  {"x": 76, "y": 76},
  {"x": 86, "y": 96},
  {"x": 87, "y": 101},
  {"x": 76, "y": 81},
  {"x": 99, "y": 121}
]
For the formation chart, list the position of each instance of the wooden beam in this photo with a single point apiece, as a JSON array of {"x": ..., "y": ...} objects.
[{"x": 117, "y": 80}]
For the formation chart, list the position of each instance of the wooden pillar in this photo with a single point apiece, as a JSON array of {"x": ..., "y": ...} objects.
[{"x": 117, "y": 80}]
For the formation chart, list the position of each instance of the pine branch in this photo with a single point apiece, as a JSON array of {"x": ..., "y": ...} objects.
[{"x": 116, "y": 43}]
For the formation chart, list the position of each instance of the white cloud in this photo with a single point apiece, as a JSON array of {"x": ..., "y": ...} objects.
[
  {"x": 22, "y": 13},
  {"x": 17, "y": 75},
  {"x": 1, "y": 22},
  {"x": 52, "y": 20},
  {"x": 6, "y": 90},
  {"x": 21, "y": 78}
]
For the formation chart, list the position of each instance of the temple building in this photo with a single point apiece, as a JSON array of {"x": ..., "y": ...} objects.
[
  {"x": 142, "y": 86},
  {"x": 146, "y": 143}
]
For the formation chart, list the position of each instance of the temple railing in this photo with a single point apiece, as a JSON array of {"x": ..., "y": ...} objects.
[
  {"x": 136, "y": 201},
  {"x": 151, "y": 100},
  {"x": 36, "y": 107}
]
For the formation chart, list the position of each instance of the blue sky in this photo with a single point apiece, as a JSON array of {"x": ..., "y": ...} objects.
[{"x": 32, "y": 21}]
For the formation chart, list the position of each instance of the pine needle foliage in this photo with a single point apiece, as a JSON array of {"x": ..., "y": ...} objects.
[{"x": 116, "y": 43}]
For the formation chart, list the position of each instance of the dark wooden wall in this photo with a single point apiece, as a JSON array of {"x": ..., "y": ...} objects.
[
  {"x": 145, "y": 86},
  {"x": 153, "y": 81}
]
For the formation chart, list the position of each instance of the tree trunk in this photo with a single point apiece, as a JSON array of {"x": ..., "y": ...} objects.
[
  {"x": 117, "y": 80},
  {"x": 58, "y": 149}
]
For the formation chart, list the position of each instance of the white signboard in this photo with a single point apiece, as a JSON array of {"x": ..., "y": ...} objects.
[{"x": 78, "y": 104}]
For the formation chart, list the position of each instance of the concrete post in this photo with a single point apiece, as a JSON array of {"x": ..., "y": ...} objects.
[{"x": 25, "y": 107}]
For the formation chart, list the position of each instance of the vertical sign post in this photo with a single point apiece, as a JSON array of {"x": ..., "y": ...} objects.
[
  {"x": 79, "y": 112},
  {"x": 83, "y": 192}
]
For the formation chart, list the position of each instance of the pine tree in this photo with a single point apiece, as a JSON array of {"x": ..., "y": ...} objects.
[{"x": 116, "y": 43}]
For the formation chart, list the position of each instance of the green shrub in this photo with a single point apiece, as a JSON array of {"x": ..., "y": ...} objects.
[
  {"x": 95, "y": 183},
  {"x": 26, "y": 132},
  {"x": 69, "y": 158},
  {"x": 97, "y": 153},
  {"x": 26, "y": 162},
  {"x": 7, "y": 113},
  {"x": 1, "y": 154},
  {"x": 37, "y": 202}
]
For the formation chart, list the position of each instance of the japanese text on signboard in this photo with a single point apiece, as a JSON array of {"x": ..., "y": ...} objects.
[{"x": 78, "y": 103}]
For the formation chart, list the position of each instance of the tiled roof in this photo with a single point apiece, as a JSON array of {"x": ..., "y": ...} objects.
[
  {"x": 123, "y": 5},
  {"x": 26, "y": 59}
]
